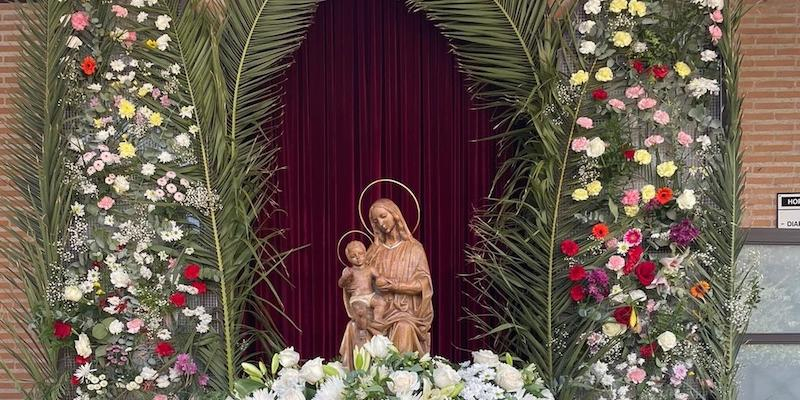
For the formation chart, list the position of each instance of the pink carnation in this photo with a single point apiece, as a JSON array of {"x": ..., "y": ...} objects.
[
  {"x": 634, "y": 92},
  {"x": 617, "y": 104},
  {"x": 105, "y": 203},
  {"x": 716, "y": 16},
  {"x": 716, "y": 33},
  {"x": 79, "y": 20},
  {"x": 134, "y": 325},
  {"x": 615, "y": 263},
  {"x": 160, "y": 397},
  {"x": 580, "y": 144},
  {"x": 119, "y": 11},
  {"x": 585, "y": 123},
  {"x": 636, "y": 375},
  {"x": 631, "y": 197},
  {"x": 661, "y": 117},
  {"x": 646, "y": 103},
  {"x": 684, "y": 139},
  {"x": 653, "y": 140}
]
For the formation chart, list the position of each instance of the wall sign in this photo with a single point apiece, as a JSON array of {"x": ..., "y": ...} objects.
[{"x": 788, "y": 210}]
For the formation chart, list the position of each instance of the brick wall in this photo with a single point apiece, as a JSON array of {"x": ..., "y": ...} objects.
[{"x": 770, "y": 81}]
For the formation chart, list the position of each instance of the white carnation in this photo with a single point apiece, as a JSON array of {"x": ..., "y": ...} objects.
[
  {"x": 698, "y": 87},
  {"x": 183, "y": 140},
  {"x": 687, "y": 200},
  {"x": 73, "y": 42},
  {"x": 82, "y": 346},
  {"x": 163, "y": 42},
  {"x": 115, "y": 327},
  {"x": 587, "y": 47},
  {"x": 162, "y": 22},
  {"x": 592, "y": 7},
  {"x": 708, "y": 55}
]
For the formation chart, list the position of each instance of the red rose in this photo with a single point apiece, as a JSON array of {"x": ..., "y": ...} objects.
[
  {"x": 178, "y": 299},
  {"x": 648, "y": 350},
  {"x": 638, "y": 66},
  {"x": 75, "y": 381},
  {"x": 164, "y": 349},
  {"x": 82, "y": 360},
  {"x": 660, "y": 71},
  {"x": 577, "y": 293},
  {"x": 629, "y": 154},
  {"x": 623, "y": 315},
  {"x": 191, "y": 272},
  {"x": 634, "y": 256},
  {"x": 200, "y": 286},
  {"x": 89, "y": 65},
  {"x": 569, "y": 248},
  {"x": 62, "y": 330},
  {"x": 599, "y": 94},
  {"x": 646, "y": 272},
  {"x": 577, "y": 273}
]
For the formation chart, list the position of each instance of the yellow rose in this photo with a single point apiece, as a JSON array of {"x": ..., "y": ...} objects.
[
  {"x": 594, "y": 188},
  {"x": 666, "y": 169},
  {"x": 126, "y": 150},
  {"x": 622, "y": 39},
  {"x": 580, "y": 194},
  {"x": 642, "y": 157},
  {"x": 648, "y": 193},
  {"x": 155, "y": 119},
  {"x": 682, "y": 69},
  {"x": 604, "y": 74},
  {"x": 579, "y": 78},
  {"x": 126, "y": 109},
  {"x": 612, "y": 329},
  {"x": 637, "y": 8},
  {"x": 617, "y": 6},
  {"x": 151, "y": 43},
  {"x": 631, "y": 211}
]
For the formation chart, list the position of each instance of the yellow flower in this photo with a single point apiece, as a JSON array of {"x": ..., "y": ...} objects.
[
  {"x": 580, "y": 194},
  {"x": 594, "y": 188},
  {"x": 579, "y": 78},
  {"x": 155, "y": 119},
  {"x": 604, "y": 74},
  {"x": 142, "y": 91},
  {"x": 637, "y": 8},
  {"x": 617, "y": 6},
  {"x": 634, "y": 320},
  {"x": 151, "y": 43},
  {"x": 126, "y": 109},
  {"x": 642, "y": 157},
  {"x": 126, "y": 150},
  {"x": 648, "y": 193},
  {"x": 98, "y": 123},
  {"x": 682, "y": 69},
  {"x": 622, "y": 39},
  {"x": 631, "y": 211},
  {"x": 666, "y": 169}
]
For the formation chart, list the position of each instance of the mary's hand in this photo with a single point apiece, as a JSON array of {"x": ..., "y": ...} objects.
[{"x": 384, "y": 284}]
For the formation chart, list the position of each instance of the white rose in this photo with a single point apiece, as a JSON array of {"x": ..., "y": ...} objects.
[
  {"x": 403, "y": 382},
  {"x": 115, "y": 327},
  {"x": 667, "y": 341},
  {"x": 73, "y": 42},
  {"x": 291, "y": 394},
  {"x": 73, "y": 293},
  {"x": 596, "y": 148},
  {"x": 82, "y": 346},
  {"x": 288, "y": 357},
  {"x": 485, "y": 357},
  {"x": 687, "y": 200},
  {"x": 444, "y": 376},
  {"x": 508, "y": 378},
  {"x": 612, "y": 329},
  {"x": 312, "y": 371},
  {"x": 586, "y": 26},
  {"x": 587, "y": 47},
  {"x": 378, "y": 346}
]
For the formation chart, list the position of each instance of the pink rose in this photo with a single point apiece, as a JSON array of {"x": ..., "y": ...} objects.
[
  {"x": 617, "y": 104},
  {"x": 79, "y": 20},
  {"x": 684, "y": 139},
  {"x": 646, "y": 103},
  {"x": 634, "y": 92},
  {"x": 585, "y": 123},
  {"x": 631, "y": 197},
  {"x": 716, "y": 16},
  {"x": 135, "y": 325},
  {"x": 653, "y": 140},
  {"x": 119, "y": 11},
  {"x": 716, "y": 33},
  {"x": 105, "y": 203},
  {"x": 636, "y": 375},
  {"x": 615, "y": 263},
  {"x": 580, "y": 144},
  {"x": 661, "y": 117}
]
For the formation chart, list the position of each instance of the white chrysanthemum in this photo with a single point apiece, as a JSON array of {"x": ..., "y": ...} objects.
[
  {"x": 331, "y": 389},
  {"x": 183, "y": 140},
  {"x": 117, "y": 65},
  {"x": 262, "y": 394}
]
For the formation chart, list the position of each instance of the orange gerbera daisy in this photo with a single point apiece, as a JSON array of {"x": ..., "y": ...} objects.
[
  {"x": 664, "y": 195},
  {"x": 600, "y": 231},
  {"x": 700, "y": 289}
]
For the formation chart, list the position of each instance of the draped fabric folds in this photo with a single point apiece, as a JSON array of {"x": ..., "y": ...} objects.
[{"x": 376, "y": 93}]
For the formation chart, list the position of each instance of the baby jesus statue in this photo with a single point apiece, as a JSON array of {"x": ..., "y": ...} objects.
[{"x": 357, "y": 280}]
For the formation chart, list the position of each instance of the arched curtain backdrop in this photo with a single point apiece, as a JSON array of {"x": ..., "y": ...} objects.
[{"x": 376, "y": 93}]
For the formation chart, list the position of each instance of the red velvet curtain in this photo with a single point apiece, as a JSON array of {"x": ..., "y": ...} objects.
[{"x": 375, "y": 93}]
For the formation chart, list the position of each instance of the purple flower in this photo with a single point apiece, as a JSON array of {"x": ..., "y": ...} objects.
[
  {"x": 202, "y": 380},
  {"x": 165, "y": 102},
  {"x": 598, "y": 284},
  {"x": 684, "y": 233},
  {"x": 679, "y": 372},
  {"x": 185, "y": 364}
]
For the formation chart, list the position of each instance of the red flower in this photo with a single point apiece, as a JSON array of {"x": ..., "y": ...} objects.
[
  {"x": 629, "y": 154},
  {"x": 638, "y": 66},
  {"x": 89, "y": 65},
  {"x": 191, "y": 272},
  {"x": 660, "y": 71},
  {"x": 648, "y": 350},
  {"x": 600, "y": 231},
  {"x": 62, "y": 330},
  {"x": 577, "y": 293},
  {"x": 577, "y": 273},
  {"x": 646, "y": 272},
  {"x": 178, "y": 299},
  {"x": 623, "y": 315},
  {"x": 75, "y": 381},
  {"x": 200, "y": 286},
  {"x": 634, "y": 255},
  {"x": 82, "y": 360},
  {"x": 569, "y": 248},
  {"x": 664, "y": 195},
  {"x": 164, "y": 349},
  {"x": 599, "y": 94}
]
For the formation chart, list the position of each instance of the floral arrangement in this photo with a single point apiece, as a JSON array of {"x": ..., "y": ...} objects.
[{"x": 381, "y": 372}]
